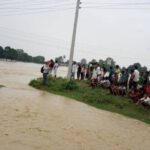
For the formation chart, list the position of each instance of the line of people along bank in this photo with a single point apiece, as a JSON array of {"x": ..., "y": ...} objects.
[{"x": 119, "y": 81}]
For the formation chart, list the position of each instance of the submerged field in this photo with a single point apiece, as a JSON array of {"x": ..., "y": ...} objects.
[{"x": 99, "y": 98}]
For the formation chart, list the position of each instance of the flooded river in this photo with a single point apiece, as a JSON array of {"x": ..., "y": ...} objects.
[{"x": 35, "y": 120}]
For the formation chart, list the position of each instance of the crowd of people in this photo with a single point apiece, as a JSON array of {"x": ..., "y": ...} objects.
[
  {"x": 133, "y": 82},
  {"x": 119, "y": 81}
]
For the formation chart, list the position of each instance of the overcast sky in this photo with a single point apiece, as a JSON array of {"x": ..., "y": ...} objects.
[{"x": 106, "y": 28}]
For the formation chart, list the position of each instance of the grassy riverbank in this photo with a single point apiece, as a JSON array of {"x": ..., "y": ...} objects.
[{"x": 99, "y": 98}]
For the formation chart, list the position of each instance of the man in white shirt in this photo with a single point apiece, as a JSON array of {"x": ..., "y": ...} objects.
[
  {"x": 136, "y": 77},
  {"x": 73, "y": 71},
  {"x": 98, "y": 70},
  {"x": 45, "y": 73},
  {"x": 94, "y": 73},
  {"x": 55, "y": 68}
]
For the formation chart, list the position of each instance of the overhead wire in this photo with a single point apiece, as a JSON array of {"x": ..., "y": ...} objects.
[
  {"x": 33, "y": 8},
  {"x": 37, "y": 12},
  {"x": 85, "y": 5},
  {"x": 34, "y": 5},
  {"x": 14, "y": 2},
  {"x": 41, "y": 6},
  {"x": 9, "y": 11},
  {"x": 115, "y": 5},
  {"x": 6, "y": 11}
]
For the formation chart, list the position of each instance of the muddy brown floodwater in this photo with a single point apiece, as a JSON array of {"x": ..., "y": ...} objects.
[{"x": 35, "y": 120}]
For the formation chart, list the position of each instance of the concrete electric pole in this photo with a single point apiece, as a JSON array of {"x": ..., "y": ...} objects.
[{"x": 73, "y": 39}]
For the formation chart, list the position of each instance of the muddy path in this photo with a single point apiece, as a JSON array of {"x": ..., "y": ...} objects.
[{"x": 37, "y": 120}]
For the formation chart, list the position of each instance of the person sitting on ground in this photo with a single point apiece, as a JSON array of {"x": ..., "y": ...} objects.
[
  {"x": 144, "y": 100},
  {"x": 122, "y": 89},
  {"x": 105, "y": 81},
  {"x": 115, "y": 89},
  {"x": 135, "y": 94}
]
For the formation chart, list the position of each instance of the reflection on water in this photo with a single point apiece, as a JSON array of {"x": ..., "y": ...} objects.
[{"x": 37, "y": 120}]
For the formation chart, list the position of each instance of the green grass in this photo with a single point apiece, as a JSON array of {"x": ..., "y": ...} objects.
[{"x": 99, "y": 98}]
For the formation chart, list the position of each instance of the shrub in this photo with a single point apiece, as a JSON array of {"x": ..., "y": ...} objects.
[
  {"x": 70, "y": 85},
  {"x": 35, "y": 83}
]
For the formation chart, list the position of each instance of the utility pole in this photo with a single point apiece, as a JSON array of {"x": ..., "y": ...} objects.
[{"x": 73, "y": 39}]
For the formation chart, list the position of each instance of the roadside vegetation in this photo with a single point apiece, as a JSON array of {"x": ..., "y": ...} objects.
[{"x": 98, "y": 97}]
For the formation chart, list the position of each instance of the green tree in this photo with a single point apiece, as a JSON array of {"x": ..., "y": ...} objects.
[
  {"x": 101, "y": 62},
  {"x": 38, "y": 59},
  {"x": 60, "y": 59},
  {"x": 1, "y": 52},
  {"x": 93, "y": 62},
  {"x": 83, "y": 61}
]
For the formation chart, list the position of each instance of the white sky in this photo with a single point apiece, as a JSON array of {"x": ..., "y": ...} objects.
[{"x": 122, "y": 34}]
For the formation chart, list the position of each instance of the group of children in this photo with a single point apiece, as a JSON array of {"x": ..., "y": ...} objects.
[{"x": 122, "y": 82}]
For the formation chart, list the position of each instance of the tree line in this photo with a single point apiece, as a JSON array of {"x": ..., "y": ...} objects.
[
  {"x": 12, "y": 54},
  {"x": 109, "y": 62}
]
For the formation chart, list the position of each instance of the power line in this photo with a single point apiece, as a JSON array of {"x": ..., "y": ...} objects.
[
  {"x": 32, "y": 8},
  {"x": 35, "y": 5},
  {"x": 35, "y": 9},
  {"x": 86, "y": 5},
  {"x": 118, "y": 3},
  {"x": 15, "y": 2},
  {"x": 35, "y": 12},
  {"x": 115, "y": 8},
  {"x": 24, "y": 9}
]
